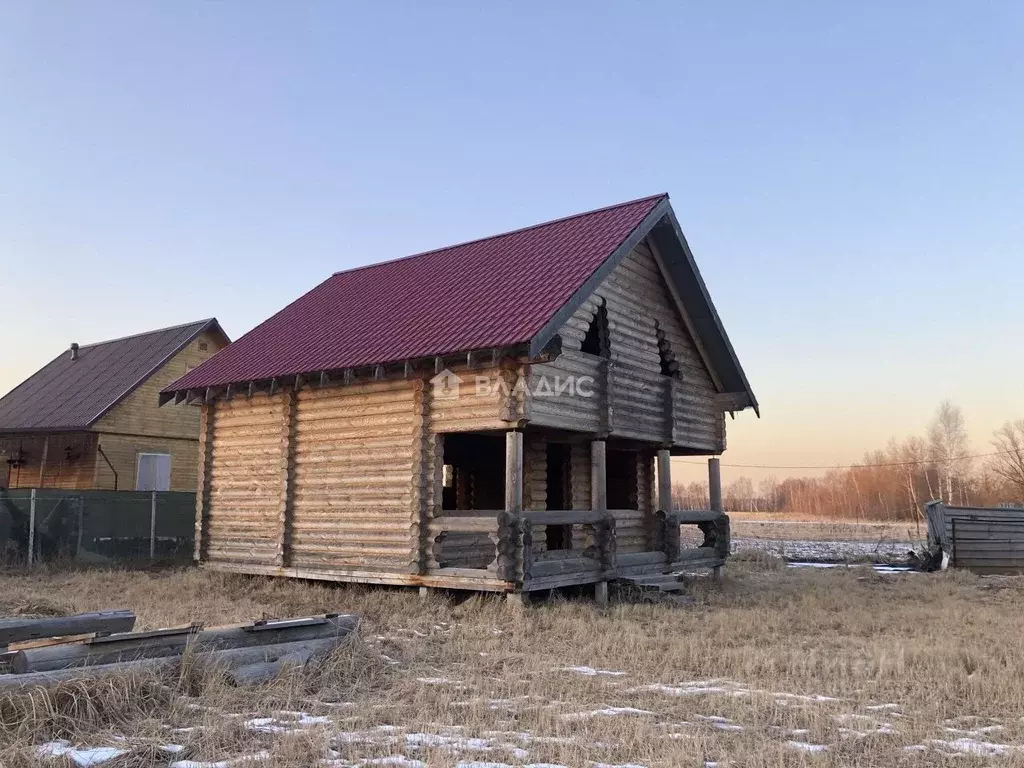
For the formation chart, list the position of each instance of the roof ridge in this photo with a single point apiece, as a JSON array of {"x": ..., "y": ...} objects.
[
  {"x": 503, "y": 234},
  {"x": 203, "y": 322}
]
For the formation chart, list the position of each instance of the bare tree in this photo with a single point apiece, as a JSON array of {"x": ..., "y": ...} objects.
[
  {"x": 947, "y": 438},
  {"x": 1008, "y": 464}
]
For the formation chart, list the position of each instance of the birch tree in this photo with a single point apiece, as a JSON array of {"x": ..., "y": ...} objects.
[
  {"x": 1008, "y": 464},
  {"x": 947, "y": 439}
]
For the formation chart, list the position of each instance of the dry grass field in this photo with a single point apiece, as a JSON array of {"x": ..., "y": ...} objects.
[{"x": 775, "y": 666}]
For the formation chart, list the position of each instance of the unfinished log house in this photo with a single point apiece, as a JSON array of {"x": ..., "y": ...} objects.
[{"x": 497, "y": 415}]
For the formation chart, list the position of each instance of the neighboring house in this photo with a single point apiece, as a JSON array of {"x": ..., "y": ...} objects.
[
  {"x": 90, "y": 418},
  {"x": 485, "y": 416}
]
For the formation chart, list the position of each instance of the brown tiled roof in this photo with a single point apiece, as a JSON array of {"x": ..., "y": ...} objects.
[{"x": 71, "y": 394}]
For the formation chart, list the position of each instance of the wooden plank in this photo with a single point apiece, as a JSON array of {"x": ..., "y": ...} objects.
[
  {"x": 367, "y": 576},
  {"x": 13, "y": 630}
]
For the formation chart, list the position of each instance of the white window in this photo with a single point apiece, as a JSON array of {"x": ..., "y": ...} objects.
[{"x": 154, "y": 472}]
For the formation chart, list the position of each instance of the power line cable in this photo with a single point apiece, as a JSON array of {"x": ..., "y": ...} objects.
[{"x": 854, "y": 466}]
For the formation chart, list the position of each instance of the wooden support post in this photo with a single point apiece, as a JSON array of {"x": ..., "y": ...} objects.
[
  {"x": 152, "y": 525},
  {"x": 514, "y": 472},
  {"x": 664, "y": 480},
  {"x": 715, "y": 485},
  {"x": 599, "y": 503},
  {"x": 715, "y": 496},
  {"x": 514, "y": 503},
  {"x": 598, "y": 476},
  {"x": 31, "y": 526}
]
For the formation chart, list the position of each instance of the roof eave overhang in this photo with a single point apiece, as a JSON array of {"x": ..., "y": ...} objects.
[{"x": 663, "y": 228}]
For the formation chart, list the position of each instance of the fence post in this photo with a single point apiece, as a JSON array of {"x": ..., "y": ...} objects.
[
  {"x": 80, "y": 503},
  {"x": 152, "y": 525},
  {"x": 31, "y": 526}
]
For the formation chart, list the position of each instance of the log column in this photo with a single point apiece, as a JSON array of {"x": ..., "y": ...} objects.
[
  {"x": 513, "y": 517},
  {"x": 669, "y": 532},
  {"x": 599, "y": 502},
  {"x": 715, "y": 496}
]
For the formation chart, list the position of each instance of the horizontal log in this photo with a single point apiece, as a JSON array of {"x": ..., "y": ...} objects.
[
  {"x": 540, "y": 569},
  {"x": 688, "y": 516},
  {"x": 14, "y": 630},
  {"x": 631, "y": 559},
  {"x": 564, "y": 517},
  {"x": 696, "y": 553},
  {"x": 229, "y": 658},
  {"x": 130, "y": 647},
  {"x": 463, "y": 524},
  {"x": 265, "y": 671}
]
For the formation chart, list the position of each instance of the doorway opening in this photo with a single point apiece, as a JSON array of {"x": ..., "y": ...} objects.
[{"x": 559, "y": 493}]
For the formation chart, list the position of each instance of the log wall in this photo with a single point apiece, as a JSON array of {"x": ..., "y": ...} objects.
[
  {"x": 241, "y": 486},
  {"x": 356, "y": 451},
  {"x": 633, "y": 398}
]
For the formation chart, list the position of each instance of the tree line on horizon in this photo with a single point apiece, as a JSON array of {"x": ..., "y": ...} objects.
[{"x": 892, "y": 483}]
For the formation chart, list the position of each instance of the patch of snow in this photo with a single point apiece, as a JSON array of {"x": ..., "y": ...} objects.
[
  {"x": 973, "y": 747},
  {"x": 259, "y": 756},
  {"x": 439, "y": 681},
  {"x": 591, "y": 672},
  {"x": 803, "y": 746},
  {"x": 606, "y": 712},
  {"x": 721, "y": 723},
  {"x": 682, "y": 690},
  {"x": 80, "y": 757}
]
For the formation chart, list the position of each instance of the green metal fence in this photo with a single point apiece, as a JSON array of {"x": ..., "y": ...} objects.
[{"x": 40, "y": 525}]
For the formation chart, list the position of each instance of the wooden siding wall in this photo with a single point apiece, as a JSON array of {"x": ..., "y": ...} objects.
[
  {"x": 123, "y": 452},
  {"x": 140, "y": 414},
  {"x": 638, "y": 401},
  {"x": 58, "y": 471}
]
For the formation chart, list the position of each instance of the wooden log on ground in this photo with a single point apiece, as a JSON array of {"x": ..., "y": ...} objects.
[
  {"x": 14, "y": 630},
  {"x": 228, "y": 659},
  {"x": 151, "y": 645},
  {"x": 265, "y": 671}
]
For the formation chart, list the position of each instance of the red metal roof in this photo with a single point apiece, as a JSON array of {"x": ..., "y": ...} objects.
[
  {"x": 494, "y": 292},
  {"x": 71, "y": 394}
]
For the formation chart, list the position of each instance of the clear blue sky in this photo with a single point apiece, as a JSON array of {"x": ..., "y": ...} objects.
[{"x": 851, "y": 179}]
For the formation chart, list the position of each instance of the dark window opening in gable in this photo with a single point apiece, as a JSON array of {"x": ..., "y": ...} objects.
[
  {"x": 596, "y": 340},
  {"x": 669, "y": 366}
]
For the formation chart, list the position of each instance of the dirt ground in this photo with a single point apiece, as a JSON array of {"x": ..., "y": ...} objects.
[{"x": 775, "y": 666}]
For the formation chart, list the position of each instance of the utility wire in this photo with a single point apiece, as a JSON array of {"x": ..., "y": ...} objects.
[{"x": 855, "y": 466}]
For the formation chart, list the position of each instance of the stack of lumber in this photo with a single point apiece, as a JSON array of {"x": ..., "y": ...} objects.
[{"x": 50, "y": 650}]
